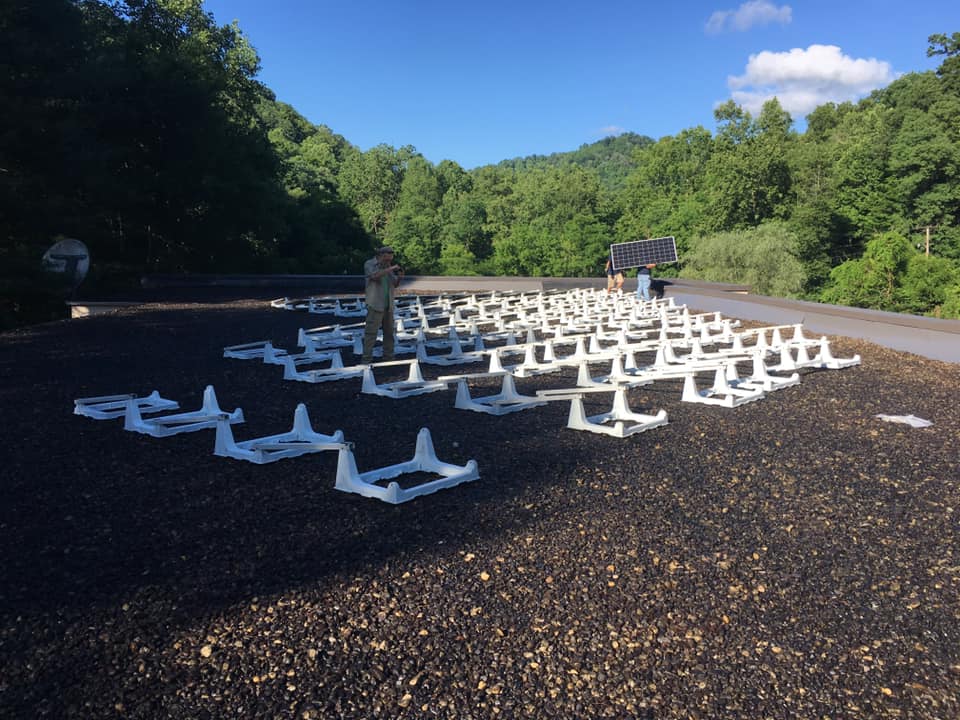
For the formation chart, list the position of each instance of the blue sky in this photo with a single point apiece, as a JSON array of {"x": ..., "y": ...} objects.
[{"x": 480, "y": 82}]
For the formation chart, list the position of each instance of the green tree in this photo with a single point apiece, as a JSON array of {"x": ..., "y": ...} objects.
[
  {"x": 324, "y": 235},
  {"x": 456, "y": 259},
  {"x": 748, "y": 175},
  {"x": 543, "y": 202},
  {"x": 927, "y": 284},
  {"x": 949, "y": 70},
  {"x": 666, "y": 193},
  {"x": 765, "y": 258},
  {"x": 580, "y": 249},
  {"x": 924, "y": 168},
  {"x": 42, "y": 58},
  {"x": 821, "y": 231},
  {"x": 462, "y": 221},
  {"x": 413, "y": 229},
  {"x": 453, "y": 178},
  {"x": 464, "y": 240},
  {"x": 495, "y": 188},
  {"x": 523, "y": 251},
  {"x": 311, "y": 155},
  {"x": 872, "y": 281},
  {"x": 370, "y": 182},
  {"x": 612, "y": 158},
  {"x": 824, "y": 119},
  {"x": 951, "y": 306},
  {"x": 132, "y": 125},
  {"x": 864, "y": 196}
]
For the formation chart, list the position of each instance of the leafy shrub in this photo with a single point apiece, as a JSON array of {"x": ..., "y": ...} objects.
[{"x": 764, "y": 257}]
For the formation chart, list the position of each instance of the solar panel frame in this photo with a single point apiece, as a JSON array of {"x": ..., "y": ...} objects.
[{"x": 643, "y": 252}]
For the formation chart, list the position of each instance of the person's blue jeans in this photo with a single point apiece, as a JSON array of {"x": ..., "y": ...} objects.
[{"x": 643, "y": 287}]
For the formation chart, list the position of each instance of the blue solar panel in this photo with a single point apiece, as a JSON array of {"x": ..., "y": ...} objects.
[{"x": 643, "y": 252}]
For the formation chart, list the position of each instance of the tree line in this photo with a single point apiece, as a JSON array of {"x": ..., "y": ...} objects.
[{"x": 140, "y": 127}]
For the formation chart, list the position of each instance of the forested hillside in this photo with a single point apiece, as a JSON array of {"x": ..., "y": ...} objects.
[
  {"x": 140, "y": 127},
  {"x": 613, "y": 158}
]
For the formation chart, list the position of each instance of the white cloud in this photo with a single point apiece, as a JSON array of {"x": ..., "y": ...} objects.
[
  {"x": 803, "y": 79},
  {"x": 748, "y": 15}
]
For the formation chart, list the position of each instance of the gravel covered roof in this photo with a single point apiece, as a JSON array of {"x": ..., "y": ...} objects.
[{"x": 794, "y": 557}]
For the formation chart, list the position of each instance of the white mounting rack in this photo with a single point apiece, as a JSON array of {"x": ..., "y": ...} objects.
[
  {"x": 253, "y": 351},
  {"x": 456, "y": 356},
  {"x": 301, "y": 440},
  {"x": 579, "y": 354},
  {"x": 619, "y": 422},
  {"x": 355, "y": 309},
  {"x": 530, "y": 366},
  {"x": 594, "y": 347},
  {"x": 423, "y": 336},
  {"x": 735, "y": 348},
  {"x": 108, "y": 407},
  {"x": 277, "y": 356},
  {"x": 496, "y": 363},
  {"x": 667, "y": 360},
  {"x": 316, "y": 339},
  {"x": 413, "y": 385},
  {"x": 826, "y": 359},
  {"x": 616, "y": 376},
  {"x": 722, "y": 387},
  {"x": 398, "y": 348},
  {"x": 165, "y": 425},
  {"x": 508, "y": 400},
  {"x": 320, "y": 306},
  {"x": 761, "y": 378},
  {"x": 787, "y": 362},
  {"x": 424, "y": 460},
  {"x": 315, "y": 357},
  {"x": 336, "y": 371},
  {"x": 720, "y": 394}
]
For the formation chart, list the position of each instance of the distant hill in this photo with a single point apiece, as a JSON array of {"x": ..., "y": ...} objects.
[{"x": 611, "y": 157}]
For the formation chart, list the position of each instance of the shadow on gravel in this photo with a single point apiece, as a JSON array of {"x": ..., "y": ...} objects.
[
  {"x": 98, "y": 517},
  {"x": 749, "y": 561}
]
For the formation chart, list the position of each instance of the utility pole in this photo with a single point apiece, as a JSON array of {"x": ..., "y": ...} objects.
[{"x": 927, "y": 229}]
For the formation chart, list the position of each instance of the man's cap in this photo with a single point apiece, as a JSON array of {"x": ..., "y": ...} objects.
[{"x": 384, "y": 250}]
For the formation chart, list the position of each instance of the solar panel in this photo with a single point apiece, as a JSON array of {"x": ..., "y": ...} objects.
[{"x": 643, "y": 252}]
